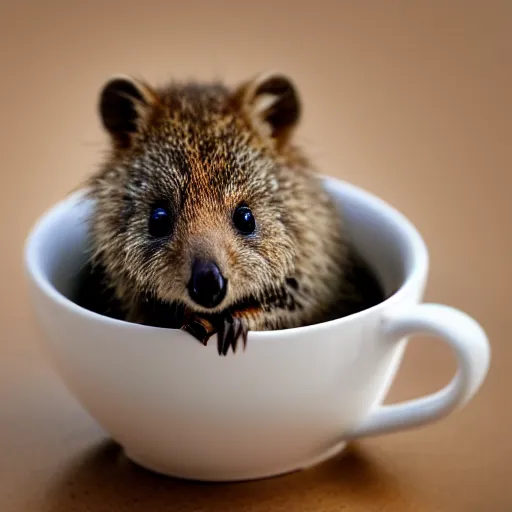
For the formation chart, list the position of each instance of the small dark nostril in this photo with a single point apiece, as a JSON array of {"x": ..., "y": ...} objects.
[{"x": 207, "y": 285}]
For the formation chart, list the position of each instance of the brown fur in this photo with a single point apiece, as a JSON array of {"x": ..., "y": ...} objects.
[{"x": 202, "y": 149}]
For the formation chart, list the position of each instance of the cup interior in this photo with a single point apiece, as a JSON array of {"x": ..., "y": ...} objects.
[
  {"x": 58, "y": 248},
  {"x": 386, "y": 240}
]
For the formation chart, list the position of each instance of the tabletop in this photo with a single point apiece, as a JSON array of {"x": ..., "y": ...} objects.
[{"x": 408, "y": 100}]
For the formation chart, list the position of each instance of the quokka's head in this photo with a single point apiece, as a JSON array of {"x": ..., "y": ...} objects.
[{"x": 194, "y": 203}]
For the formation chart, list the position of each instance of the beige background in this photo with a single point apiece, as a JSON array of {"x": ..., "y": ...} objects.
[{"x": 410, "y": 100}]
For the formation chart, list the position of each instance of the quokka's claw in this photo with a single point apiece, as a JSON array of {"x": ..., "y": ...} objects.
[
  {"x": 237, "y": 331},
  {"x": 200, "y": 329},
  {"x": 230, "y": 340},
  {"x": 245, "y": 333},
  {"x": 225, "y": 335},
  {"x": 241, "y": 331},
  {"x": 229, "y": 330},
  {"x": 220, "y": 338}
]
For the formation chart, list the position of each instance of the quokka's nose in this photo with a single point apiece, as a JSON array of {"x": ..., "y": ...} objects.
[{"x": 207, "y": 285}]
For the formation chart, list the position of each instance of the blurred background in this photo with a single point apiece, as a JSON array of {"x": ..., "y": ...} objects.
[{"x": 410, "y": 100}]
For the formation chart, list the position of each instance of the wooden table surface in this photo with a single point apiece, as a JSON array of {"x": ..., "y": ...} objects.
[{"x": 409, "y": 100}]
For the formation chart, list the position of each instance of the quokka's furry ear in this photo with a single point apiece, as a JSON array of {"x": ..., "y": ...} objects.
[
  {"x": 272, "y": 105},
  {"x": 124, "y": 104}
]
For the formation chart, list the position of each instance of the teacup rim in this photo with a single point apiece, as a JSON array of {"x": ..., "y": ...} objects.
[{"x": 414, "y": 239}]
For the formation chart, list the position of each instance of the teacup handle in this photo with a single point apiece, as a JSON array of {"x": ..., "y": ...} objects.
[{"x": 471, "y": 347}]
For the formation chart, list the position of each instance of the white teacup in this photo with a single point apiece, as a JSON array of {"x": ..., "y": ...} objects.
[{"x": 291, "y": 400}]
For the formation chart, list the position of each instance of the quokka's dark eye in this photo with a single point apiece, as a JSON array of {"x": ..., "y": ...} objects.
[
  {"x": 243, "y": 219},
  {"x": 160, "y": 222}
]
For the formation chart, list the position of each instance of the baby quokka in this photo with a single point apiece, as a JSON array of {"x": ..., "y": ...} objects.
[{"x": 209, "y": 218}]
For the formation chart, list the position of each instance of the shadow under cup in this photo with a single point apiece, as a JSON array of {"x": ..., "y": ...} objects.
[{"x": 387, "y": 242}]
